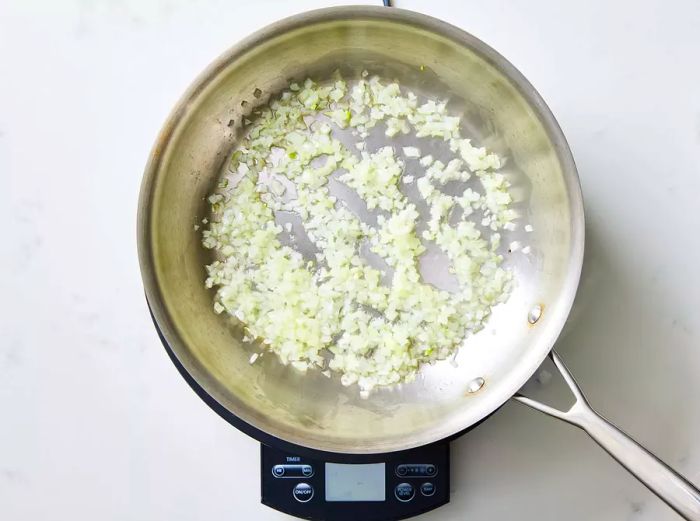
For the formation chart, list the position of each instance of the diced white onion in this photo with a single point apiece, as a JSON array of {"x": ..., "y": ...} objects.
[
  {"x": 411, "y": 152},
  {"x": 303, "y": 310}
]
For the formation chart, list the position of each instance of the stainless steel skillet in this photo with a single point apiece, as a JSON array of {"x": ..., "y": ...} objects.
[{"x": 501, "y": 110}]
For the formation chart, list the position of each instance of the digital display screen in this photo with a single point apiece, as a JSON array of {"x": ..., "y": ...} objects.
[{"x": 355, "y": 482}]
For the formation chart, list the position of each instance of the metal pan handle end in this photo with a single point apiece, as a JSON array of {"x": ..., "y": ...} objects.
[{"x": 663, "y": 481}]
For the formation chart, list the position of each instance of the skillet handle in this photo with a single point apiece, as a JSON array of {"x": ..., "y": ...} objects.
[{"x": 663, "y": 481}]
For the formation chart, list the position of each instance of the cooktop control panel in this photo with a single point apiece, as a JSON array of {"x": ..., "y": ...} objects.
[{"x": 398, "y": 486}]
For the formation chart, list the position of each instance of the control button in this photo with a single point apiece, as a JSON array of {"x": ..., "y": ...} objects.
[
  {"x": 404, "y": 492},
  {"x": 427, "y": 488},
  {"x": 303, "y": 492},
  {"x": 416, "y": 470},
  {"x": 292, "y": 471}
]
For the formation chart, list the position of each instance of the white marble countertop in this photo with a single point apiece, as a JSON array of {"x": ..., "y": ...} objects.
[{"x": 96, "y": 422}]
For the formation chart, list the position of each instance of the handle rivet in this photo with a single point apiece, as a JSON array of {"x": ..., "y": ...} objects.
[
  {"x": 535, "y": 313},
  {"x": 476, "y": 384}
]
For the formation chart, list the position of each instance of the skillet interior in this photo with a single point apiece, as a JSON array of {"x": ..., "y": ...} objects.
[{"x": 498, "y": 106}]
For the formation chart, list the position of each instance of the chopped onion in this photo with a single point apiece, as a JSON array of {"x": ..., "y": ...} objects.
[
  {"x": 305, "y": 310},
  {"x": 411, "y": 152},
  {"x": 426, "y": 160}
]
